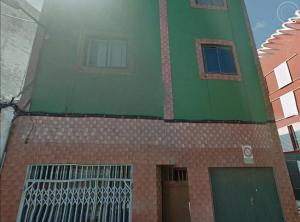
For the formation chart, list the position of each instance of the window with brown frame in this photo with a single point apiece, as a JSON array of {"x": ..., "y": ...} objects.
[
  {"x": 217, "y": 59},
  {"x": 209, "y": 4}
]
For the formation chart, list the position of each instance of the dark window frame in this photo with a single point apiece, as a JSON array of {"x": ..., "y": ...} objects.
[
  {"x": 216, "y": 75},
  {"x": 219, "y": 58},
  {"x": 292, "y": 133},
  {"x": 195, "y": 4}
]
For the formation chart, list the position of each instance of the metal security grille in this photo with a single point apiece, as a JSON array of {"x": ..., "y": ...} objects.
[
  {"x": 174, "y": 174},
  {"x": 73, "y": 193}
]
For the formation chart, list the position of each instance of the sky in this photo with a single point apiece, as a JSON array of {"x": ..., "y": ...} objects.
[
  {"x": 266, "y": 16},
  {"x": 36, "y": 3}
]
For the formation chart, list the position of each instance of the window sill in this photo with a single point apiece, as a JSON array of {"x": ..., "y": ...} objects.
[
  {"x": 104, "y": 71},
  {"x": 217, "y": 76}
]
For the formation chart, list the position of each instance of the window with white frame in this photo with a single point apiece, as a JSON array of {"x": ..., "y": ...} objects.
[
  {"x": 282, "y": 74},
  {"x": 97, "y": 193},
  {"x": 289, "y": 104},
  {"x": 105, "y": 53}
]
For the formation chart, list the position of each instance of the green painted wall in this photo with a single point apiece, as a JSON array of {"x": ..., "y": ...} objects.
[
  {"x": 60, "y": 86},
  {"x": 212, "y": 99}
]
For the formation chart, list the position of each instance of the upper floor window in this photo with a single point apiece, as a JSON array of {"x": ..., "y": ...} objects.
[
  {"x": 220, "y": 3},
  {"x": 210, "y": 4},
  {"x": 105, "y": 53},
  {"x": 217, "y": 60},
  {"x": 282, "y": 74},
  {"x": 289, "y": 104}
]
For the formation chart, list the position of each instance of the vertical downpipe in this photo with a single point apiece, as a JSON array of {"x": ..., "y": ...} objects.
[{"x": 7, "y": 115}]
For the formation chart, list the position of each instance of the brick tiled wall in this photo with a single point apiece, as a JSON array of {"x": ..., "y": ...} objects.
[
  {"x": 145, "y": 144},
  {"x": 109, "y": 131},
  {"x": 165, "y": 58}
]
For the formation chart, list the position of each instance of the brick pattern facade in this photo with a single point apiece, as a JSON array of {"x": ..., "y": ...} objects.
[
  {"x": 146, "y": 144},
  {"x": 110, "y": 131},
  {"x": 165, "y": 57}
]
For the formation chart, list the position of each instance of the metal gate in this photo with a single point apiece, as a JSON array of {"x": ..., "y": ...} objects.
[{"x": 73, "y": 193}]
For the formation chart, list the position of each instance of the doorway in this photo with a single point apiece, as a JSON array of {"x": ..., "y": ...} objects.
[
  {"x": 175, "y": 194},
  {"x": 245, "y": 194}
]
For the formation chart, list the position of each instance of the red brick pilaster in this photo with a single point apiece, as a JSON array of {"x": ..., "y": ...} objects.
[{"x": 165, "y": 54}]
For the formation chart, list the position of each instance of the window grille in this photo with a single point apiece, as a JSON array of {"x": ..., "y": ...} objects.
[
  {"x": 73, "y": 193},
  {"x": 174, "y": 174}
]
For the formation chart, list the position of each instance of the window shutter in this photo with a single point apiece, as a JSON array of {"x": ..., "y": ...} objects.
[
  {"x": 283, "y": 75},
  {"x": 117, "y": 53},
  {"x": 289, "y": 106}
]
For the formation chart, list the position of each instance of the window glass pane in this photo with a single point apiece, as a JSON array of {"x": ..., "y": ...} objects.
[
  {"x": 286, "y": 143},
  {"x": 91, "y": 53},
  {"x": 211, "y": 59},
  {"x": 204, "y": 2},
  {"x": 101, "y": 53},
  {"x": 211, "y": 2},
  {"x": 226, "y": 60},
  {"x": 218, "y": 2},
  {"x": 117, "y": 53},
  {"x": 97, "y": 53},
  {"x": 296, "y": 128}
]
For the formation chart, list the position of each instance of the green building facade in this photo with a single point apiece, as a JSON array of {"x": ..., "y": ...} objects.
[
  {"x": 62, "y": 86},
  {"x": 144, "y": 111}
]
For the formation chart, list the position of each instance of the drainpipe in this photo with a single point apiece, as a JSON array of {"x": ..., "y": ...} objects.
[{"x": 7, "y": 116}]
